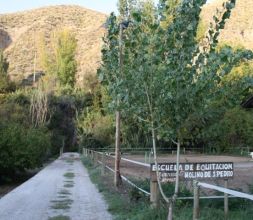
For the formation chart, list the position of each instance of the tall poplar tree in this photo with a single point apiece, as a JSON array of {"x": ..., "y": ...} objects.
[
  {"x": 169, "y": 76},
  {"x": 4, "y": 65}
]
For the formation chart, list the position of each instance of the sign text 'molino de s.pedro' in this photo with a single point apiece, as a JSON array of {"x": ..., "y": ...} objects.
[{"x": 191, "y": 171}]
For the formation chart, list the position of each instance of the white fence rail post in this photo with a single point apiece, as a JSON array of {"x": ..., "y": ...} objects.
[
  {"x": 196, "y": 200},
  {"x": 146, "y": 156},
  {"x": 226, "y": 200}
]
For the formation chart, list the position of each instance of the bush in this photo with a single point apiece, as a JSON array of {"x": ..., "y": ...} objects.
[
  {"x": 95, "y": 129},
  {"x": 22, "y": 148},
  {"x": 62, "y": 123},
  {"x": 233, "y": 131}
]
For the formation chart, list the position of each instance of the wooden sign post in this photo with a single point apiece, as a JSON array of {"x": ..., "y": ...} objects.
[
  {"x": 194, "y": 171},
  {"x": 154, "y": 193},
  {"x": 191, "y": 172}
]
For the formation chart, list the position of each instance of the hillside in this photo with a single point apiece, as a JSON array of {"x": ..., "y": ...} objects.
[
  {"x": 20, "y": 34},
  {"x": 239, "y": 28}
]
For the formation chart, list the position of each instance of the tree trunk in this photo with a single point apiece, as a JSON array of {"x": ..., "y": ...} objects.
[
  {"x": 177, "y": 173},
  {"x": 117, "y": 177},
  {"x": 172, "y": 202},
  {"x": 170, "y": 214}
]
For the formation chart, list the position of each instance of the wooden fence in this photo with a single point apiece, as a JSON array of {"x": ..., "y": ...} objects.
[
  {"x": 99, "y": 158},
  {"x": 225, "y": 190}
]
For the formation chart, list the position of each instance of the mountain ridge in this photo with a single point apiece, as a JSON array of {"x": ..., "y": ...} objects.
[{"x": 20, "y": 33}]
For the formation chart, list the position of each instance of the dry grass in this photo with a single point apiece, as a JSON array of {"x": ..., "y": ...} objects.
[
  {"x": 20, "y": 34},
  {"x": 239, "y": 29},
  {"x": 25, "y": 30}
]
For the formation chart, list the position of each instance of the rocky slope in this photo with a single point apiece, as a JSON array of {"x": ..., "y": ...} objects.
[
  {"x": 20, "y": 34},
  {"x": 239, "y": 28}
]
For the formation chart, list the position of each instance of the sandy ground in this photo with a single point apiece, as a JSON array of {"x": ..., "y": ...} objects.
[{"x": 61, "y": 189}]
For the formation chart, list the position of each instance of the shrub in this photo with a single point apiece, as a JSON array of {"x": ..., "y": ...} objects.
[
  {"x": 22, "y": 148},
  {"x": 233, "y": 131}
]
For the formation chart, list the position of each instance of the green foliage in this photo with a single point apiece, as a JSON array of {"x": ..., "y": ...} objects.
[
  {"x": 202, "y": 28},
  {"x": 15, "y": 108},
  {"x": 65, "y": 58},
  {"x": 59, "y": 61},
  {"x": 94, "y": 121},
  {"x": 233, "y": 131},
  {"x": 122, "y": 207},
  {"x": 124, "y": 6},
  {"x": 5, "y": 84},
  {"x": 4, "y": 65},
  {"x": 172, "y": 78},
  {"x": 133, "y": 134},
  {"x": 22, "y": 148},
  {"x": 167, "y": 9},
  {"x": 3, "y": 73},
  {"x": 21, "y": 145},
  {"x": 95, "y": 129},
  {"x": 61, "y": 124}
]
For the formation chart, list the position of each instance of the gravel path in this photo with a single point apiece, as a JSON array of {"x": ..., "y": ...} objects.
[{"x": 62, "y": 190}]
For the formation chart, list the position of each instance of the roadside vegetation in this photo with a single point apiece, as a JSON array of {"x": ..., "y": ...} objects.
[
  {"x": 128, "y": 203},
  {"x": 204, "y": 111},
  {"x": 178, "y": 88},
  {"x": 37, "y": 121},
  {"x": 175, "y": 84}
]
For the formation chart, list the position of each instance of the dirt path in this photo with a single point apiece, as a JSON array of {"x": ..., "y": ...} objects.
[{"x": 62, "y": 190}]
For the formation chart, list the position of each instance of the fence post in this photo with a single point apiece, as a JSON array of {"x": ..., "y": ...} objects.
[
  {"x": 95, "y": 157},
  {"x": 226, "y": 200},
  {"x": 149, "y": 157},
  {"x": 196, "y": 200},
  {"x": 154, "y": 192},
  {"x": 146, "y": 156},
  {"x": 61, "y": 151},
  {"x": 103, "y": 164},
  {"x": 83, "y": 151},
  {"x": 92, "y": 155}
]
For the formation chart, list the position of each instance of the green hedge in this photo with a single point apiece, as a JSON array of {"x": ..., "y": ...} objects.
[{"x": 22, "y": 148}]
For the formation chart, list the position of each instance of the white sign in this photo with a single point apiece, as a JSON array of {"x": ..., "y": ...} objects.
[{"x": 188, "y": 171}]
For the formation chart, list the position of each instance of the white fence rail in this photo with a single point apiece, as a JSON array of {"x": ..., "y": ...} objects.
[
  {"x": 227, "y": 191},
  {"x": 127, "y": 180},
  {"x": 153, "y": 189}
]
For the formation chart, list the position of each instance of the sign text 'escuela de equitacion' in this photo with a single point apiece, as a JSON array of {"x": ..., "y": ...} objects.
[{"x": 188, "y": 171}]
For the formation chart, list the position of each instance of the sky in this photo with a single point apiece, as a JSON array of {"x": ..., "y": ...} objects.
[{"x": 105, "y": 6}]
